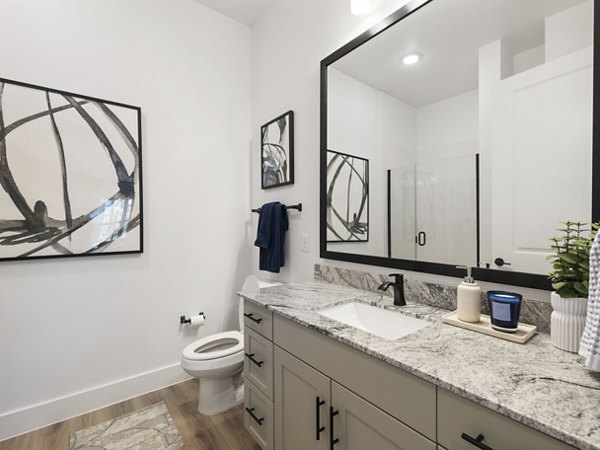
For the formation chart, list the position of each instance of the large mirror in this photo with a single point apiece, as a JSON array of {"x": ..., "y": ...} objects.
[{"x": 459, "y": 132}]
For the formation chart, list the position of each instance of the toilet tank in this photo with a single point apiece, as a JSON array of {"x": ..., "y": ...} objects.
[{"x": 251, "y": 285}]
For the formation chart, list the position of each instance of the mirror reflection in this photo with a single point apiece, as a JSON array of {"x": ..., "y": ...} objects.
[{"x": 463, "y": 134}]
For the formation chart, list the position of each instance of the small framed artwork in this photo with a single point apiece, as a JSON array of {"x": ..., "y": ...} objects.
[
  {"x": 277, "y": 151},
  {"x": 347, "y": 198},
  {"x": 71, "y": 170}
]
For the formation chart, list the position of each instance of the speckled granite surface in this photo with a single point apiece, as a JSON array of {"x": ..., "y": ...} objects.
[
  {"x": 434, "y": 294},
  {"x": 535, "y": 384}
]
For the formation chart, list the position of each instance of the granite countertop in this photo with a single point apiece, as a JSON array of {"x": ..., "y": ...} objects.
[{"x": 536, "y": 384}]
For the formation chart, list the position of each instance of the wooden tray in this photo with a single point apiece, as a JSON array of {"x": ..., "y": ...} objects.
[{"x": 523, "y": 334}]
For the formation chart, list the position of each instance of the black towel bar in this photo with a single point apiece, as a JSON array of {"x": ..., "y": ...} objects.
[{"x": 298, "y": 207}]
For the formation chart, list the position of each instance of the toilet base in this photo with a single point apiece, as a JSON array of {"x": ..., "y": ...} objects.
[{"x": 216, "y": 395}]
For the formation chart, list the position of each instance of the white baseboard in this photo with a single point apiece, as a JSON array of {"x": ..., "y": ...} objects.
[{"x": 14, "y": 423}]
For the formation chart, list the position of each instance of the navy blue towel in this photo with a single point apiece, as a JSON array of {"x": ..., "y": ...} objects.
[{"x": 270, "y": 236}]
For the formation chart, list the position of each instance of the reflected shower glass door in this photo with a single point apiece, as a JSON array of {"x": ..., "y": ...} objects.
[{"x": 433, "y": 211}]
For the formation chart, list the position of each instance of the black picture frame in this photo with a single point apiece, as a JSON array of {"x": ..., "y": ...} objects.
[
  {"x": 277, "y": 151},
  {"x": 348, "y": 229},
  {"x": 34, "y": 226},
  {"x": 524, "y": 279}
]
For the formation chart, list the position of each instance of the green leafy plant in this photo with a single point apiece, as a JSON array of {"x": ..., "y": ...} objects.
[{"x": 571, "y": 259}]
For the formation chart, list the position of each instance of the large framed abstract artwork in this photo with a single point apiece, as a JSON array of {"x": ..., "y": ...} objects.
[
  {"x": 71, "y": 174},
  {"x": 277, "y": 151},
  {"x": 347, "y": 198}
]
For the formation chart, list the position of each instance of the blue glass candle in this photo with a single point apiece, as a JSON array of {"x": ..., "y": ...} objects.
[{"x": 505, "y": 308}]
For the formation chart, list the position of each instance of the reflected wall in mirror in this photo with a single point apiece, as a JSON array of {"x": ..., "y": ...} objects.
[{"x": 479, "y": 148}]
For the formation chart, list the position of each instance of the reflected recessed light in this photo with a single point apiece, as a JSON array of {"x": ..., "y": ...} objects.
[
  {"x": 411, "y": 58},
  {"x": 359, "y": 7}
]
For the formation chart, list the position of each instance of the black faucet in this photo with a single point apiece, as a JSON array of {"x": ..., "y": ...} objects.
[{"x": 398, "y": 285}]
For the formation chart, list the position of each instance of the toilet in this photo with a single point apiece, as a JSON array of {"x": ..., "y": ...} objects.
[{"x": 218, "y": 360}]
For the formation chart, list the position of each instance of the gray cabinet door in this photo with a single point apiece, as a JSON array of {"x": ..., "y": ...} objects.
[
  {"x": 302, "y": 401},
  {"x": 359, "y": 425}
]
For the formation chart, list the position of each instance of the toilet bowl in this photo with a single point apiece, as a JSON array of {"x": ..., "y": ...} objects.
[{"x": 217, "y": 361}]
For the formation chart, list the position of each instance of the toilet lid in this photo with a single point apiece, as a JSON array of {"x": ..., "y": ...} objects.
[{"x": 215, "y": 346}]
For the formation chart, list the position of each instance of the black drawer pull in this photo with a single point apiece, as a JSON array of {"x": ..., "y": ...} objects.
[
  {"x": 477, "y": 442},
  {"x": 251, "y": 412},
  {"x": 250, "y": 356},
  {"x": 252, "y": 318},
  {"x": 319, "y": 428},
  {"x": 332, "y": 440}
]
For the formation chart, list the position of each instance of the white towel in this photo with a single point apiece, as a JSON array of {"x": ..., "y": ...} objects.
[{"x": 589, "y": 346}]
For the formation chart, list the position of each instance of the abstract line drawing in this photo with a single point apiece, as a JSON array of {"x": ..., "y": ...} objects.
[
  {"x": 70, "y": 171},
  {"x": 277, "y": 151},
  {"x": 347, "y": 198}
]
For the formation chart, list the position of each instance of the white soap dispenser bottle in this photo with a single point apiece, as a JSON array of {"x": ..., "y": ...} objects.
[{"x": 468, "y": 299}]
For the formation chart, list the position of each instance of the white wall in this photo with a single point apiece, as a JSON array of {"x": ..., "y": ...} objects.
[
  {"x": 448, "y": 128},
  {"x": 80, "y": 333},
  {"x": 569, "y": 30},
  {"x": 289, "y": 41}
]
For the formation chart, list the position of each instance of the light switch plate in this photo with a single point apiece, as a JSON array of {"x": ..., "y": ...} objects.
[{"x": 305, "y": 243}]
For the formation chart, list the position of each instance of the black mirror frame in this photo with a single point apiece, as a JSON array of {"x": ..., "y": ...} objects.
[{"x": 496, "y": 276}]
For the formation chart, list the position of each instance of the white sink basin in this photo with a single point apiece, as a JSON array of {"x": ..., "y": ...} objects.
[{"x": 380, "y": 322}]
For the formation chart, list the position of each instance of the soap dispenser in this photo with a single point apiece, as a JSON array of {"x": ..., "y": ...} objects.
[{"x": 468, "y": 299}]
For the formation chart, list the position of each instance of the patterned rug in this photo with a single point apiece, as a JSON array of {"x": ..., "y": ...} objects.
[{"x": 151, "y": 428}]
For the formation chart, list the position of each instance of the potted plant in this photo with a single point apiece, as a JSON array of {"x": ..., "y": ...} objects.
[{"x": 570, "y": 280}]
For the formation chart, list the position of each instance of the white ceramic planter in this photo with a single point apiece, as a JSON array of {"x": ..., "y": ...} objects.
[{"x": 567, "y": 321}]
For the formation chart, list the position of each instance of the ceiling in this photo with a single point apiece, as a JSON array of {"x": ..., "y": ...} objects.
[
  {"x": 245, "y": 11},
  {"x": 448, "y": 35}
]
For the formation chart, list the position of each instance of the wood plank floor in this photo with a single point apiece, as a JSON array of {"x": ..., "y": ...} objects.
[{"x": 223, "y": 432}]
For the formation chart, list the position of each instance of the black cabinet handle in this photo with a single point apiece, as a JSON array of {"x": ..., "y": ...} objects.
[
  {"x": 251, "y": 412},
  {"x": 477, "y": 442},
  {"x": 332, "y": 440},
  {"x": 319, "y": 428},
  {"x": 422, "y": 239},
  {"x": 252, "y": 318},
  {"x": 250, "y": 356}
]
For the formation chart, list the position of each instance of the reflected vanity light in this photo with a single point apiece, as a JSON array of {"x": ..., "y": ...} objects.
[
  {"x": 359, "y": 7},
  {"x": 411, "y": 58}
]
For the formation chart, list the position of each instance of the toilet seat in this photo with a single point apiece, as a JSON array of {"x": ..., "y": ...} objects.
[{"x": 224, "y": 344}]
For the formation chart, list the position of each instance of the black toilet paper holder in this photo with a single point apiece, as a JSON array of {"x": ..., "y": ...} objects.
[{"x": 185, "y": 320}]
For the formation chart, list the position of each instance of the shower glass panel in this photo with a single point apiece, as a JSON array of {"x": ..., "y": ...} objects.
[
  {"x": 402, "y": 213},
  {"x": 433, "y": 211}
]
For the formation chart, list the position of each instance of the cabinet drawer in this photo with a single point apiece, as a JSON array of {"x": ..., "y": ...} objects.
[
  {"x": 258, "y": 415},
  {"x": 258, "y": 319},
  {"x": 258, "y": 362},
  {"x": 457, "y": 415},
  {"x": 398, "y": 393}
]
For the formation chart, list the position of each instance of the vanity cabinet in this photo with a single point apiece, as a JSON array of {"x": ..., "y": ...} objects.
[
  {"x": 403, "y": 396},
  {"x": 258, "y": 374},
  {"x": 458, "y": 417},
  {"x": 306, "y": 391},
  {"x": 312, "y": 412},
  {"x": 319, "y": 390}
]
